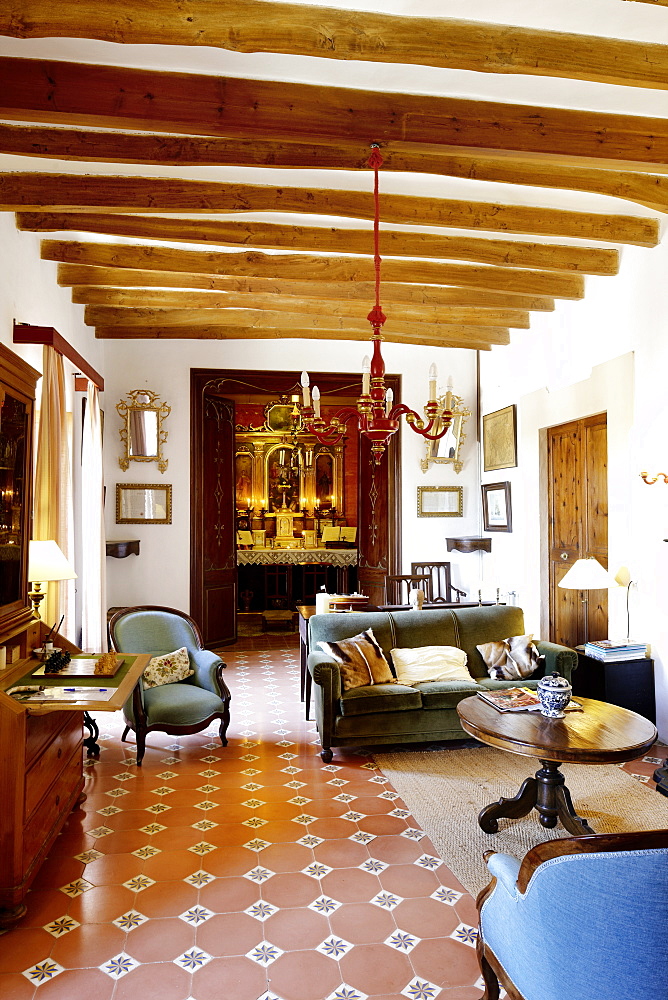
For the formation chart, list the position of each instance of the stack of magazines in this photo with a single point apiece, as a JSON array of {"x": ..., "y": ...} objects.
[
  {"x": 519, "y": 699},
  {"x": 610, "y": 651}
]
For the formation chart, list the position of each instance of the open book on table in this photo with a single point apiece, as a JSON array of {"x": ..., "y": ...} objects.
[{"x": 519, "y": 699}]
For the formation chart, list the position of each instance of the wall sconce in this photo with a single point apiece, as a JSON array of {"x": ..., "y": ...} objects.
[{"x": 650, "y": 480}]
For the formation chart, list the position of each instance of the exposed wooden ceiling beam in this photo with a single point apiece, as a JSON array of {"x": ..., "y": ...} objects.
[
  {"x": 315, "y": 318},
  {"x": 393, "y": 243},
  {"x": 252, "y": 26},
  {"x": 470, "y": 338},
  {"x": 109, "y": 286},
  {"x": 36, "y": 192},
  {"x": 314, "y": 268},
  {"x": 62, "y": 93},
  {"x": 183, "y": 299},
  {"x": 509, "y": 168}
]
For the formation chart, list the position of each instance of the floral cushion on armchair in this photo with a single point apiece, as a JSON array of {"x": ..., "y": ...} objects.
[{"x": 168, "y": 668}]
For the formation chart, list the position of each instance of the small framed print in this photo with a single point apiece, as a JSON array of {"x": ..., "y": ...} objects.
[
  {"x": 440, "y": 501},
  {"x": 143, "y": 503},
  {"x": 499, "y": 431},
  {"x": 496, "y": 509}
]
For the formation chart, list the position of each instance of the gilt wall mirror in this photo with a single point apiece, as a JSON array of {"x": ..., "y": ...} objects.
[
  {"x": 142, "y": 433},
  {"x": 447, "y": 450}
]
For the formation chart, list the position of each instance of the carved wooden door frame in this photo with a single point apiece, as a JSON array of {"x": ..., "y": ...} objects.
[{"x": 378, "y": 495}]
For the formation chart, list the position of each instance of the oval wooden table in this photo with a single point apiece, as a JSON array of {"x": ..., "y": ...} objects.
[{"x": 600, "y": 734}]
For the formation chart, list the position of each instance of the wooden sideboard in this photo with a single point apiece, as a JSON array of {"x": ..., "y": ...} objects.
[
  {"x": 41, "y": 778},
  {"x": 41, "y": 774}
]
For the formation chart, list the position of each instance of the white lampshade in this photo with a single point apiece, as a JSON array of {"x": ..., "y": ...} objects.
[
  {"x": 587, "y": 574},
  {"x": 46, "y": 562}
]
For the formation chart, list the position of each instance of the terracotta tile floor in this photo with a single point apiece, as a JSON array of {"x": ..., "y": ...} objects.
[{"x": 250, "y": 872}]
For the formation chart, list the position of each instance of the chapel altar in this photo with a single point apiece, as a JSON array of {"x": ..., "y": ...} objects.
[{"x": 295, "y": 520}]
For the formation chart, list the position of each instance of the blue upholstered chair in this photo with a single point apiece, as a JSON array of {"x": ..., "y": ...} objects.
[
  {"x": 186, "y": 706},
  {"x": 583, "y": 918}
]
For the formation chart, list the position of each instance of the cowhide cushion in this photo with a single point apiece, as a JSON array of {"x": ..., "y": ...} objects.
[
  {"x": 361, "y": 660},
  {"x": 511, "y": 659}
]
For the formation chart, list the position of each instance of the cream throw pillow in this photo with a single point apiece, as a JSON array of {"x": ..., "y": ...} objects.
[
  {"x": 167, "y": 669},
  {"x": 430, "y": 663}
]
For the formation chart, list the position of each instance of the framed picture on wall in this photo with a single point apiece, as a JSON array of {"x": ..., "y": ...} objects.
[
  {"x": 496, "y": 509},
  {"x": 143, "y": 503},
  {"x": 499, "y": 439},
  {"x": 440, "y": 501}
]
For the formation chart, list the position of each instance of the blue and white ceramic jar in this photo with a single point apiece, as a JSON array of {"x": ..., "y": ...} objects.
[{"x": 554, "y": 693}]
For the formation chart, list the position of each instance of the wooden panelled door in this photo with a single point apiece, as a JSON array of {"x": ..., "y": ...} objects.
[
  {"x": 578, "y": 525},
  {"x": 213, "y": 582}
]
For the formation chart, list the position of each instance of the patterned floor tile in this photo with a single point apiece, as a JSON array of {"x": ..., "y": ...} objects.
[
  {"x": 119, "y": 965},
  {"x": 313, "y": 879},
  {"x": 43, "y": 971}
]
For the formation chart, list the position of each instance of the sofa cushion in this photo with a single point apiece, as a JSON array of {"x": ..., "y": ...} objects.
[
  {"x": 476, "y": 626},
  {"x": 334, "y": 627},
  {"x": 511, "y": 659},
  {"x": 493, "y": 685},
  {"x": 361, "y": 660},
  {"x": 446, "y": 694},
  {"x": 429, "y": 627},
  {"x": 379, "y": 698},
  {"x": 429, "y": 663}
]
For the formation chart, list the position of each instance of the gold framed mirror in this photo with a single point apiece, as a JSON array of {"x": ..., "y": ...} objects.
[
  {"x": 447, "y": 450},
  {"x": 142, "y": 434}
]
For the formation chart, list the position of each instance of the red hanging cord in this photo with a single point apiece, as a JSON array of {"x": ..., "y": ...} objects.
[{"x": 376, "y": 317}]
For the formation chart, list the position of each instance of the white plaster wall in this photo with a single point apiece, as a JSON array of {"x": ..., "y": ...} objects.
[
  {"x": 29, "y": 293},
  {"x": 607, "y": 352},
  {"x": 161, "y": 573}
]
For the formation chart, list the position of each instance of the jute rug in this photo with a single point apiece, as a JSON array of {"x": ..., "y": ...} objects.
[{"x": 446, "y": 789}]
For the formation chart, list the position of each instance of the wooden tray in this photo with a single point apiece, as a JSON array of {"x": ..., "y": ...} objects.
[{"x": 82, "y": 666}]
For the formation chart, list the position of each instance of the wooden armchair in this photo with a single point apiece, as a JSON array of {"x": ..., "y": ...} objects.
[
  {"x": 441, "y": 584},
  {"x": 397, "y": 587},
  {"x": 583, "y": 917}
]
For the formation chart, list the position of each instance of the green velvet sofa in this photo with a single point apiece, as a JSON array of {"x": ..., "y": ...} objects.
[{"x": 395, "y": 713}]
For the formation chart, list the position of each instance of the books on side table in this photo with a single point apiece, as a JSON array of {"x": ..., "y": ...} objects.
[
  {"x": 519, "y": 699},
  {"x": 611, "y": 651}
]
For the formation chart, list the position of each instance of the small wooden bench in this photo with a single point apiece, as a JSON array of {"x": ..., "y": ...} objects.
[{"x": 278, "y": 619}]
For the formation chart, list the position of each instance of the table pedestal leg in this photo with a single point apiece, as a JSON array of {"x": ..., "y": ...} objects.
[
  {"x": 548, "y": 794},
  {"x": 514, "y": 808},
  {"x": 91, "y": 744}
]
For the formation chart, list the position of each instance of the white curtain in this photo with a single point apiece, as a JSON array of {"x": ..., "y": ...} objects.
[
  {"x": 93, "y": 566},
  {"x": 53, "y": 515}
]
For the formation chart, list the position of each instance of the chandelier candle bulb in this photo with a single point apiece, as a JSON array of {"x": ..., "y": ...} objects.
[
  {"x": 316, "y": 401},
  {"x": 305, "y": 389},
  {"x": 433, "y": 375},
  {"x": 389, "y": 399},
  {"x": 366, "y": 375}
]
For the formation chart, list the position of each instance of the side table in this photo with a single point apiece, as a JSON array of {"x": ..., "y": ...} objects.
[{"x": 626, "y": 683}]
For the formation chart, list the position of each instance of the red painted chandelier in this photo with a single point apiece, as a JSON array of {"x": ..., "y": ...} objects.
[{"x": 376, "y": 416}]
